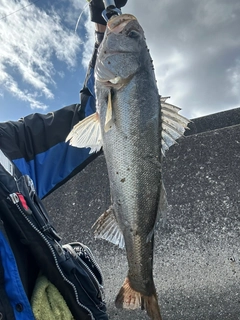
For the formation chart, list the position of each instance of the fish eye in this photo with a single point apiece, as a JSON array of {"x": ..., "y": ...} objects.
[{"x": 133, "y": 34}]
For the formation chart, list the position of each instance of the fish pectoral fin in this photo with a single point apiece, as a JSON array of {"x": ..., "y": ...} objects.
[
  {"x": 109, "y": 114},
  {"x": 87, "y": 134},
  {"x": 128, "y": 298},
  {"x": 106, "y": 227},
  {"x": 161, "y": 211},
  {"x": 173, "y": 124}
]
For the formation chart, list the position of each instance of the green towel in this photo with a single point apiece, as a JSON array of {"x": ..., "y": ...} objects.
[{"x": 48, "y": 303}]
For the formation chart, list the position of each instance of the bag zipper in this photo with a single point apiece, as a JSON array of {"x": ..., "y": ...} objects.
[{"x": 95, "y": 281}]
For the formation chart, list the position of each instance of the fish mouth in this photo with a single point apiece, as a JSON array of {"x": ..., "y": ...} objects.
[
  {"x": 118, "y": 23},
  {"x": 116, "y": 83}
]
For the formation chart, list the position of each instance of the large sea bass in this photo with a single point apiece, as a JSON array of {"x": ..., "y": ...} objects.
[{"x": 134, "y": 128}]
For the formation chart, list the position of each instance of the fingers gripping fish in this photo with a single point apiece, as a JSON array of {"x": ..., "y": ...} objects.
[{"x": 135, "y": 127}]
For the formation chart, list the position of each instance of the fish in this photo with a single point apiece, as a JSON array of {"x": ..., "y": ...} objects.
[{"x": 134, "y": 126}]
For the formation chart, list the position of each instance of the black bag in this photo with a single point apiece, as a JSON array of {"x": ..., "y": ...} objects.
[{"x": 72, "y": 267}]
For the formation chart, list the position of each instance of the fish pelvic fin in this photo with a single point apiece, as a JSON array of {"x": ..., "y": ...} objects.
[
  {"x": 109, "y": 114},
  {"x": 173, "y": 124},
  {"x": 87, "y": 134},
  {"x": 128, "y": 298},
  {"x": 106, "y": 227}
]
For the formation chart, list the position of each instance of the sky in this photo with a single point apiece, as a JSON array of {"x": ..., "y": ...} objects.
[{"x": 195, "y": 46}]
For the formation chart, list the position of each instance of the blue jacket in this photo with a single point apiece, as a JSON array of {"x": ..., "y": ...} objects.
[{"x": 36, "y": 145}]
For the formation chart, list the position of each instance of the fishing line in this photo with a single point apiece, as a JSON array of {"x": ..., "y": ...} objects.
[
  {"x": 30, "y": 4},
  {"x": 80, "y": 16}
]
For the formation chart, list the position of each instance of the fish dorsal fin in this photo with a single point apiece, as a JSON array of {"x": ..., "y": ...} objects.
[
  {"x": 109, "y": 115},
  {"x": 173, "y": 124},
  {"x": 87, "y": 134},
  {"x": 161, "y": 212},
  {"x": 106, "y": 227}
]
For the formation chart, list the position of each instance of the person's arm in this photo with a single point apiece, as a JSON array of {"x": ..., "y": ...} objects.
[{"x": 36, "y": 144}]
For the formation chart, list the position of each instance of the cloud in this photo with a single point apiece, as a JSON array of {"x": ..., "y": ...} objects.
[
  {"x": 195, "y": 46},
  {"x": 89, "y": 43},
  {"x": 32, "y": 41}
]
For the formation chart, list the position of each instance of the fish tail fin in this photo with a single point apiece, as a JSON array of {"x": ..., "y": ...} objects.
[
  {"x": 150, "y": 304},
  {"x": 128, "y": 298}
]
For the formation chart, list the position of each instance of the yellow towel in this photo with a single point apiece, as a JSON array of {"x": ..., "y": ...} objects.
[{"x": 48, "y": 303}]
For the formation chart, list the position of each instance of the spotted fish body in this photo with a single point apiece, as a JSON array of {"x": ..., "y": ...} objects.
[{"x": 134, "y": 127}]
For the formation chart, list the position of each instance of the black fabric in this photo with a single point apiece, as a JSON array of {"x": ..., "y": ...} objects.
[
  {"x": 27, "y": 266},
  {"x": 85, "y": 93},
  {"x": 37, "y": 132}
]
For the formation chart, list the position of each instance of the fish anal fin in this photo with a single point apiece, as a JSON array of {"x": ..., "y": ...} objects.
[
  {"x": 128, "y": 298},
  {"x": 87, "y": 134},
  {"x": 106, "y": 227}
]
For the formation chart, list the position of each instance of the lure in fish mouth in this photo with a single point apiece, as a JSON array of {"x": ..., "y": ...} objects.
[{"x": 135, "y": 127}]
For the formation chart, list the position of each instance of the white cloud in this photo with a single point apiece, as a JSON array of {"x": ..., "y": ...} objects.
[
  {"x": 31, "y": 40},
  {"x": 233, "y": 75},
  {"x": 23, "y": 95},
  {"x": 195, "y": 46},
  {"x": 89, "y": 43}
]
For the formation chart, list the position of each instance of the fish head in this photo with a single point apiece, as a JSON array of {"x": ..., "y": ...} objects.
[{"x": 120, "y": 53}]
